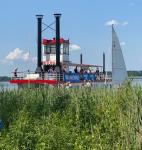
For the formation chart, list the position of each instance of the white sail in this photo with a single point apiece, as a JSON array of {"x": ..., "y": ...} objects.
[{"x": 119, "y": 72}]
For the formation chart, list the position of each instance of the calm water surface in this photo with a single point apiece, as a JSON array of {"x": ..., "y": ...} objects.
[
  {"x": 7, "y": 85},
  {"x": 137, "y": 81}
]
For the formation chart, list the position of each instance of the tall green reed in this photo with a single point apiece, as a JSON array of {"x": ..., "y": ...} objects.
[{"x": 71, "y": 118}]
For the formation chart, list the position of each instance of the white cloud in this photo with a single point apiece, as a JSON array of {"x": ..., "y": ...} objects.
[
  {"x": 26, "y": 56},
  {"x": 125, "y": 23},
  {"x": 122, "y": 43},
  {"x": 34, "y": 59},
  {"x": 15, "y": 54},
  {"x": 112, "y": 22},
  {"x": 74, "y": 47},
  {"x": 4, "y": 61}
]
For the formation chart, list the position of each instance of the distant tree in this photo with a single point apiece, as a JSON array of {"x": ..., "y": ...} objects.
[
  {"x": 4, "y": 78},
  {"x": 130, "y": 73}
]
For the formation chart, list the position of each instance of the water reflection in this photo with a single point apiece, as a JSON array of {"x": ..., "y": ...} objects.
[{"x": 7, "y": 85}]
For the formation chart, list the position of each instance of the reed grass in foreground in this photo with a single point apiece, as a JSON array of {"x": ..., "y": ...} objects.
[{"x": 71, "y": 119}]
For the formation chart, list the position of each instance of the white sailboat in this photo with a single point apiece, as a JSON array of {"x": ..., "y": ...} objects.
[{"x": 119, "y": 72}]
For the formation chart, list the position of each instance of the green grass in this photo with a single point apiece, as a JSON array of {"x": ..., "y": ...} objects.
[{"x": 71, "y": 119}]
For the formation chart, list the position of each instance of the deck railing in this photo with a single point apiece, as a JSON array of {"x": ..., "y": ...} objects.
[
  {"x": 68, "y": 77},
  {"x": 36, "y": 76}
]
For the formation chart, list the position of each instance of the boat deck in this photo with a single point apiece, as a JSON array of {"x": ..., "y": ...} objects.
[{"x": 76, "y": 79}]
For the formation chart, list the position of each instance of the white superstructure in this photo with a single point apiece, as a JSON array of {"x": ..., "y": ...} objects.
[{"x": 49, "y": 52}]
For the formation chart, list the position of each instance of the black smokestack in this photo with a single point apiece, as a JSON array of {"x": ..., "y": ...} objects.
[
  {"x": 81, "y": 59},
  {"x": 104, "y": 70},
  {"x": 39, "y": 42},
  {"x": 57, "y": 17}
]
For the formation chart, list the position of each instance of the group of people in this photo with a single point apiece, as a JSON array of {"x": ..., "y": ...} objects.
[
  {"x": 88, "y": 70},
  {"x": 69, "y": 85},
  {"x": 52, "y": 70},
  {"x": 87, "y": 83},
  {"x": 98, "y": 75}
]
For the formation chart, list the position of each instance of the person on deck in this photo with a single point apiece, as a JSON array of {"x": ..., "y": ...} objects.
[
  {"x": 75, "y": 70},
  {"x": 50, "y": 70},
  {"x": 15, "y": 72},
  {"x": 64, "y": 70},
  {"x": 97, "y": 71},
  {"x": 81, "y": 73}
]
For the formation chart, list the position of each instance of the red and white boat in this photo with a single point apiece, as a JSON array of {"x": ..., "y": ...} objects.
[{"x": 54, "y": 66}]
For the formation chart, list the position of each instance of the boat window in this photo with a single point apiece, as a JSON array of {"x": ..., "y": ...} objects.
[
  {"x": 61, "y": 48},
  {"x": 46, "y": 49},
  {"x": 66, "y": 49},
  {"x": 53, "y": 49}
]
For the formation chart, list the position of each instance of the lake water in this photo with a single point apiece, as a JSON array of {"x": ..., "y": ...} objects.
[
  {"x": 137, "y": 81},
  {"x": 7, "y": 85}
]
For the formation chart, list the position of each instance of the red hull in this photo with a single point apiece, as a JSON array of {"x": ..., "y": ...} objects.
[{"x": 34, "y": 81}]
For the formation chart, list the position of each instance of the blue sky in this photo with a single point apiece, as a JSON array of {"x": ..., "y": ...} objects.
[{"x": 83, "y": 22}]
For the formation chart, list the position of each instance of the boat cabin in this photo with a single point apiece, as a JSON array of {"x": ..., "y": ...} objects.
[{"x": 49, "y": 54}]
